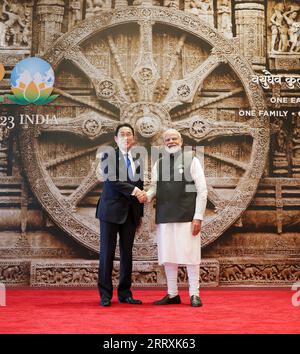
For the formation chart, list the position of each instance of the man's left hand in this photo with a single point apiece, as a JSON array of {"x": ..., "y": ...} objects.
[{"x": 196, "y": 227}]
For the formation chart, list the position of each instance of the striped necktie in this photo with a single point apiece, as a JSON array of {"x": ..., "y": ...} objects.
[{"x": 129, "y": 168}]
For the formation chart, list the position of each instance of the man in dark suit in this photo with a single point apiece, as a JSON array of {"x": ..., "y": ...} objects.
[{"x": 120, "y": 210}]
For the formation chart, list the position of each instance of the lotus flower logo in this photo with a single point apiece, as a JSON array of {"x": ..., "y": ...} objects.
[{"x": 32, "y": 81}]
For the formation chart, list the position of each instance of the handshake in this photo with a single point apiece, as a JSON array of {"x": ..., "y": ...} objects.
[{"x": 141, "y": 196}]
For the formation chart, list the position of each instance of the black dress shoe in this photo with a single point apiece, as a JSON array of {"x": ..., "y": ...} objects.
[
  {"x": 105, "y": 301},
  {"x": 195, "y": 301},
  {"x": 130, "y": 300},
  {"x": 167, "y": 300}
]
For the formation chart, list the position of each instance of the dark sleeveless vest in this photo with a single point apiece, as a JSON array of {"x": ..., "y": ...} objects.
[{"x": 176, "y": 196}]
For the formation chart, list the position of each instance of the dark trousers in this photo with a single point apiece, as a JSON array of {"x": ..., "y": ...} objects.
[{"x": 108, "y": 241}]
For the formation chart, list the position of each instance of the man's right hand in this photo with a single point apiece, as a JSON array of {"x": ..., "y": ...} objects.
[{"x": 141, "y": 196}]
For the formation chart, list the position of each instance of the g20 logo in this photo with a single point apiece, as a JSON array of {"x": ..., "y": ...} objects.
[{"x": 32, "y": 81}]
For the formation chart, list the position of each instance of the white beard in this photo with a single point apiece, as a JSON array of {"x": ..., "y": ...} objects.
[{"x": 173, "y": 149}]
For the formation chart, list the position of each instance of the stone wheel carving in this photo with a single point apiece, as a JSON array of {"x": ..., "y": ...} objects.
[{"x": 151, "y": 96}]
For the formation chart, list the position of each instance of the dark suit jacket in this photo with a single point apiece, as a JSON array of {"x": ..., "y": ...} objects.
[{"x": 116, "y": 199}]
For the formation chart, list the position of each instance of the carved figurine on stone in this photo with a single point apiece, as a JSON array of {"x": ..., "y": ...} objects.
[
  {"x": 200, "y": 6},
  {"x": 172, "y": 4},
  {"x": 225, "y": 19},
  {"x": 296, "y": 142},
  {"x": 203, "y": 9},
  {"x": 12, "y": 16},
  {"x": 4, "y": 132},
  {"x": 294, "y": 27},
  {"x": 281, "y": 139},
  {"x": 98, "y": 4},
  {"x": 94, "y": 6},
  {"x": 89, "y": 6},
  {"x": 75, "y": 8},
  {"x": 279, "y": 41},
  {"x": 25, "y": 35}
]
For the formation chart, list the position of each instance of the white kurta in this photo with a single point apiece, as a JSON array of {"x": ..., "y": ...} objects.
[{"x": 175, "y": 241}]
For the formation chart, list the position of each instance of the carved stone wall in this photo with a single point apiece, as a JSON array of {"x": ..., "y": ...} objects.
[
  {"x": 250, "y": 29},
  {"x": 15, "y": 272},
  {"x": 182, "y": 64},
  {"x": 260, "y": 273},
  {"x": 80, "y": 273}
]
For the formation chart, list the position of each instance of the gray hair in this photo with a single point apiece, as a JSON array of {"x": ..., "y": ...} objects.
[{"x": 171, "y": 130}]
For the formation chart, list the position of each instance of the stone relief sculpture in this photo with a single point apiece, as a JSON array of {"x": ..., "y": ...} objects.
[
  {"x": 14, "y": 25},
  {"x": 25, "y": 35},
  {"x": 94, "y": 6},
  {"x": 285, "y": 29},
  {"x": 75, "y": 10},
  {"x": 259, "y": 273},
  {"x": 296, "y": 142},
  {"x": 296, "y": 150},
  {"x": 3, "y": 134},
  {"x": 281, "y": 139},
  {"x": 143, "y": 75},
  {"x": 203, "y": 9},
  {"x": 200, "y": 6},
  {"x": 225, "y": 25},
  {"x": 277, "y": 28},
  {"x": 294, "y": 28},
  {"x": 172, "y": 3},
  {"x": 147, "y": 107},
  {"x": 280, "y": 161}
]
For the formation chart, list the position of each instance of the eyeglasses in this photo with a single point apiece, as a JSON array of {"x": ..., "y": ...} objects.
[{"x": 125, "y": 135}]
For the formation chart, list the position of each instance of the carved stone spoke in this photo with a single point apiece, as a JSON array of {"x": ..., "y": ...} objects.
[
  {"x": 215, "y": 198},
  {"x": 228, "y": 160},
  {"x": 146, "y": 73},
  {"x": 184, "y": 90},
  {"x": 68, "y": 157},
  {"x": 206, "y": 102},
  {"x": 172, "y": 65},
  {"x": 84, "y": 102},
  {"x": 122, "y": 72},
  {"x": 89, "y": 125},
  {"x": 201, "y": 129},
  {"x": 90, "y": 182},
  {"x": 106, "y": 88}
]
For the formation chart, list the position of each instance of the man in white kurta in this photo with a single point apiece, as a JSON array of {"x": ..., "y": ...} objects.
[{"x": 179, "y": 243}]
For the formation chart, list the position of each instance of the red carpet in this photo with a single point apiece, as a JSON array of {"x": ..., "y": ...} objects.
[{"x": 77, "y": 311}]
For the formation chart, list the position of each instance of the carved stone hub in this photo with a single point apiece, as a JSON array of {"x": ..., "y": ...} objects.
[
  {"x": 146, "y": 74},
  {"x": 148, "y": 118},
  {"x": 183, "y": 91}
]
